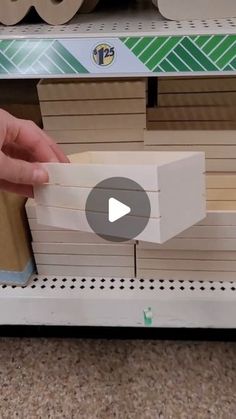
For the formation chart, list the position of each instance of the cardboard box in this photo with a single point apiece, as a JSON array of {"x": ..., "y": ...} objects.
[{"x": 16, "y": 263}]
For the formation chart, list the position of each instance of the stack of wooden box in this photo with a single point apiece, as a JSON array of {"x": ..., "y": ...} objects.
[
  {"x": 153, "y": 181},
  {"x": 72, "y": 253},
  {"x": 196, "y": 114},
  {"x": 83, "y": 115},
  {"x": 206, "y": 251}
]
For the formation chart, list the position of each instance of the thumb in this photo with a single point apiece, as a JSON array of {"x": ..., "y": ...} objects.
[{"x": 21, "y": 172}]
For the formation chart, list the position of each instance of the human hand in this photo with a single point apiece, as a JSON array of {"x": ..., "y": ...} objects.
[{"x": 23, "y": 145}]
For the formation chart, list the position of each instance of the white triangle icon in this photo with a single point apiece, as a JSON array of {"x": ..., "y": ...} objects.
[{"x": 117, "y": 210}]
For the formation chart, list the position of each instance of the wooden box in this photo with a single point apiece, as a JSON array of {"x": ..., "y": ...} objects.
[{"x": 175, "y": 183}]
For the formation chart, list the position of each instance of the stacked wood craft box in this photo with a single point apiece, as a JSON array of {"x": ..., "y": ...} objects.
[
  {"x": 84, "y": 115},
  {"x": 194, "y": 114},
  {"x": 163, "y": 177},
  {"x": 71, "y": 253},
  {"x": 197, "y": 114}
]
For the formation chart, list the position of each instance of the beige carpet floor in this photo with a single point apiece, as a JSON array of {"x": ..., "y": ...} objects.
[{"x": 99, "y": 379}]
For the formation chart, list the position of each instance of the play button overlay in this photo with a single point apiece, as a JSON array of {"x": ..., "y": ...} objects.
[{"x": 118, "y": 209}]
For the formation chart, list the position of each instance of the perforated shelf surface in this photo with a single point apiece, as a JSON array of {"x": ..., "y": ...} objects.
[
  {"x": 132, "y": 42},
  {"x": 141, "y": 22},
  {"x": 126, "y": 302}
]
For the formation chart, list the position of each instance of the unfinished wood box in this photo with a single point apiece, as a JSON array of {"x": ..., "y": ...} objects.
[
  {"x": 192, "y": 85},
  {"x": 67, "y": 89},
  {"x": 186, "y": 265},
  {"x": 92, "y": 136},
  {"x": 75, "y": 253},
  {"x": 218, "y": 146},
  {"x": 87, "y": 271},
  {"x": 79, "y": 148},
  {"x": 194, "y": 103},
  {"x": 75, "y": 122},
  {"x": 46, "y": 234},
  {"x": 217, "y": 232},
  {"x": 93, "y": 107},
  {"x": 175, "y": 183},
  {"x": 204, "y": 252}
]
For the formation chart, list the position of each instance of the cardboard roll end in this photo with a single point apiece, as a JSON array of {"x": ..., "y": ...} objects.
[{"x": 53, "y": 12}]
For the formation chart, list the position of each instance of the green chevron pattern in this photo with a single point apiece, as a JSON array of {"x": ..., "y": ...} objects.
[
  {"x": 33, "y": 57},
  {"x": 203, "y": 53}
]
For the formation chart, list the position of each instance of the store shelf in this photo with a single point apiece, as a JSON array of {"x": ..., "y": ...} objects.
[
  {"x": 119, "y": 302},
  {"x": 133, "y": 42}
]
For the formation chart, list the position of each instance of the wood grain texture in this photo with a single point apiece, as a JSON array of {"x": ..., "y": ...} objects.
[
  {"x": 93, "y": 107},
  {"x": 67, "y": 89}
]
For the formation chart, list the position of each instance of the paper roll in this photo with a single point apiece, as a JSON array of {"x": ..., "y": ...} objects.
[
  {"x": 57, "y": 12},
  {"x": 196, "y": 9},
  {"x": 13, "y": 11},
  {"x": 88, "y": 6}
]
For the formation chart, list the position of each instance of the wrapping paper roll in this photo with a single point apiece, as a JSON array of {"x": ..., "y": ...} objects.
[
  {"x": 13, "y": 11},
  {"x": 196, "y": 9},
  {"x": 88, "y": 6},
  {"x": 57, "y": 12}
]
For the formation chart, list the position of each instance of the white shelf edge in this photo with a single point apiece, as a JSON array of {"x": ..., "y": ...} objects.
[{"x": 173, "y": 303}]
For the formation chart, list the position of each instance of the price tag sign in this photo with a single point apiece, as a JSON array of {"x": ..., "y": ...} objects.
[{"x": 104, "y": 55}]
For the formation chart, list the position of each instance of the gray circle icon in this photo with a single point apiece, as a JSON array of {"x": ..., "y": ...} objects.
[{"x": 118, "y": 209}]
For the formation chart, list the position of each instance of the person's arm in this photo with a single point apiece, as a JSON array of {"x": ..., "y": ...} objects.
[{"x": 23, "y": 145}]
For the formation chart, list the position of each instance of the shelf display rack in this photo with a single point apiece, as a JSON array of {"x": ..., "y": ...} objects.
[
  {"x": 129, "y": 43},
  {"x": 132, "y": 42}
]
